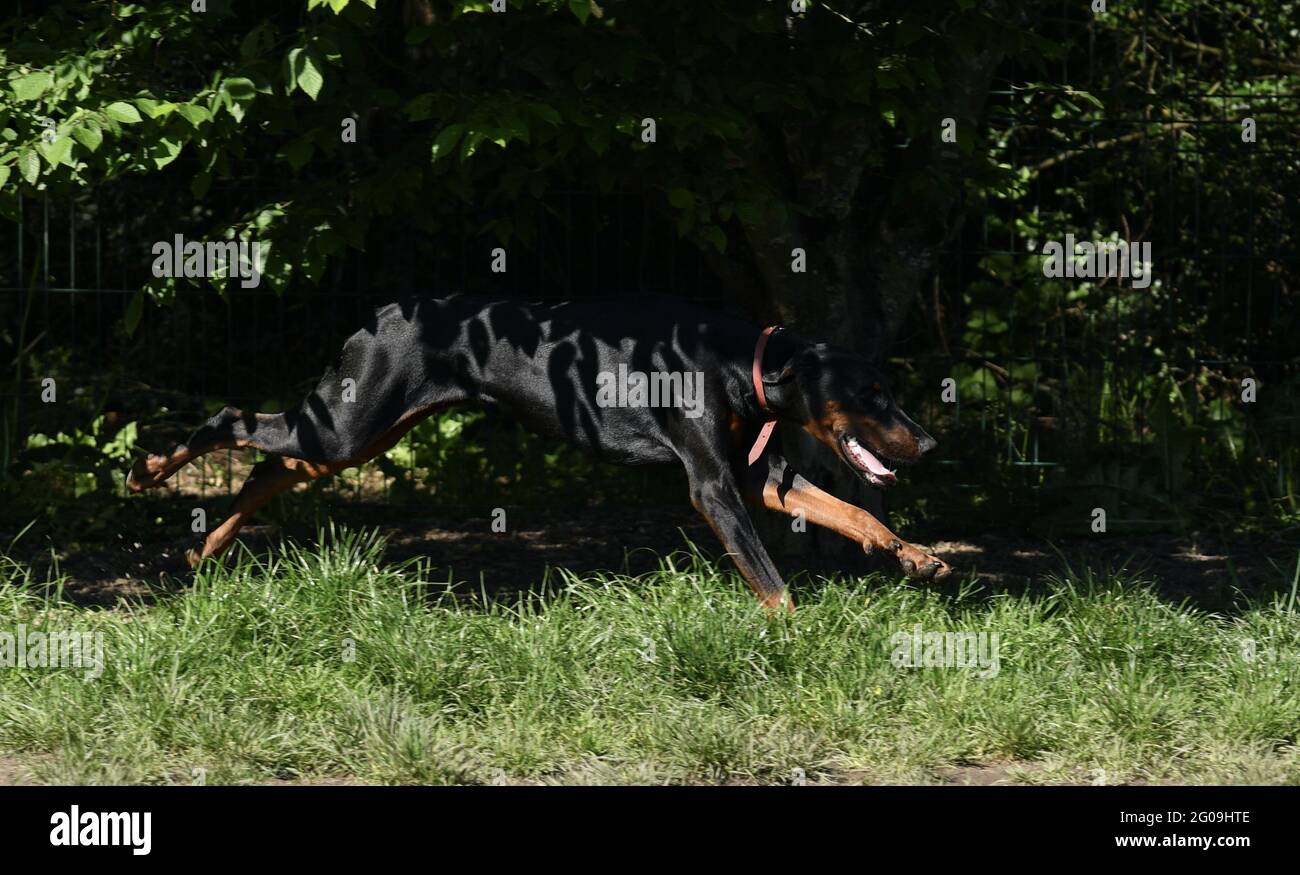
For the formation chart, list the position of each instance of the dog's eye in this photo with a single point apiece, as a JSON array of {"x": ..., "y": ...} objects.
[{"x": 874, "y": 399}]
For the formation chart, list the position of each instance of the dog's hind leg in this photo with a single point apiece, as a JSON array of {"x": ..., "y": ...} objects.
[
  {"x": 375, "y": 391},
  {"x": 376, "y": 382},
  {"x": 269, "y": 478},
  {"x": 229, "y": 428},
  {"x": 324, "y": 430},
  {"x": 279, "y": 473}
]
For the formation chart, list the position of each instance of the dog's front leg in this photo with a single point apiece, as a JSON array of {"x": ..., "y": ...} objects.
[
  {"x": 779, "y": 487},
  {"x": 717, "y": 497}
]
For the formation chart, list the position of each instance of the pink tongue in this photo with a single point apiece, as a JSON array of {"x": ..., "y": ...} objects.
[{"x": 863, "y": 455}]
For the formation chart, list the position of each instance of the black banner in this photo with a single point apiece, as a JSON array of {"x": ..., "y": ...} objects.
[{"x": 305, "y": 824}]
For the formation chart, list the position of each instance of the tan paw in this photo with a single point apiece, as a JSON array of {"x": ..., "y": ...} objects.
[
  {"x": 149, "y": 471},
  {"x": 919, "y": 565}
]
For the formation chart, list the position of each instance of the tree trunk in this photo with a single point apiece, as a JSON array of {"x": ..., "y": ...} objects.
[{"x": 870, "y": 241}]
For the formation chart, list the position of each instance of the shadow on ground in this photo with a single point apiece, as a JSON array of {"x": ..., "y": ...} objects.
[{"x": 1208, "y": 570}]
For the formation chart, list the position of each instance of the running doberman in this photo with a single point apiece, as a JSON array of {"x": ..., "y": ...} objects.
[{"x": 554, "y": 366}]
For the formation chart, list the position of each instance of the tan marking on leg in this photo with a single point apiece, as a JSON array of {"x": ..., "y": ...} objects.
[
  {"x": 269, "y": 479},
  {"x": 152, "y": 470},
  {"x": 825, "y": 510},
  {"x": 284, "y": 472}
]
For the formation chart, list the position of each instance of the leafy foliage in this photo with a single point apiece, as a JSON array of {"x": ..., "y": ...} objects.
[
  {"x": 567, "y": 91},
  {"x": 237, "y": 122}
]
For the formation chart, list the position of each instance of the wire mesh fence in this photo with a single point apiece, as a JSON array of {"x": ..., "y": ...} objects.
[
  {"x": 255, "y": 349},
  {"x": 1087, "y": 379},
  {"x": 1056, "y": 384}
]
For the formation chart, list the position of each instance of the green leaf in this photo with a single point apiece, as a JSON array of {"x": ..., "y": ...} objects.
[
  {"x": 239, "y": 89},
  {"x": 31, "y": 86},
  {"x": 715, "y": 236},
  {"x": 447, "y": 140},
  {"x": 200, "y": 184},
  {"x": 235, "y": 93},
  {"x": 193, "y": 113},
  {"x": 155, "y": 108},
  {"x": 307, "y": 74},
  {"x": 122, "y": 112},
  {"x": 165, "y": 151},
  {"x": 471, "y": 144},
  {"x": 748, "y": 212},
  {"x": 681, "y": 198},
  {"x": 134, "y": 310},
  {"x": 298, "y": 152},
  {"x": 4, "y": 174},
  {"x": 419, "y": 108},
  {"x": 29, "y": 165},
  {"x": 88, "y": 134},
  {"x": 599, "y": 139},
  {"x": 546, "y": 113},
  {"x": 291, "y": 69},
  {"x": 255, "y": 42},
  {"x": 580, "y": 8},
  {"x": 57, "y": 152},
  {"x": 1089, "y": 97}
]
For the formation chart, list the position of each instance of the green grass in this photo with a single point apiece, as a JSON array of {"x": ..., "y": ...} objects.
[{"x": 674, "y": 677}]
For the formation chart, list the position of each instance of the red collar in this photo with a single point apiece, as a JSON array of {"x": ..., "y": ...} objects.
[{"x": 764, "y": 434}]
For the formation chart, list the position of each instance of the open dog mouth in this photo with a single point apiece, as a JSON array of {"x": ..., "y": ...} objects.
[{"x": 866, "y": 463}]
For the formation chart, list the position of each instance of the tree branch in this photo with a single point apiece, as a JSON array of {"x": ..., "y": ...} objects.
[{"x": 1105, "y": 144}]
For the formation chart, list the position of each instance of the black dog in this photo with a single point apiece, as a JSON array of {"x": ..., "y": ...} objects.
[{"x": 635, "y": 383}]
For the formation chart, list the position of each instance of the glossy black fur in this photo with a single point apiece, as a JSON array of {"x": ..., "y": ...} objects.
[{"x": 540, "y": 362}]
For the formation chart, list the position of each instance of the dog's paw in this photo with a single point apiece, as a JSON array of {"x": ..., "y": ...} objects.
[
  {"x": 139, "y": 479},
  {"x": 918, "y": 564},
  {"x": 194, "y": 556},
  {"x": 144, "y": 473}
]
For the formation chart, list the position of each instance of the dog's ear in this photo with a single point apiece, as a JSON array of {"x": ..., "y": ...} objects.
[{"x": 806, "y": 361}]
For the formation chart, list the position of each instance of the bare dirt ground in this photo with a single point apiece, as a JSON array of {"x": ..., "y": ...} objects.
[
  {"x": 1208, "y": 568},
  {"x": 13, "y": 772},
  {"x": 1202, "y": 567},
  {"x": 16, "y": 771}
]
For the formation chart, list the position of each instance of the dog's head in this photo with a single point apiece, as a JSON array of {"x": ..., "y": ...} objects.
[{"x": 845, "y": 403}]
